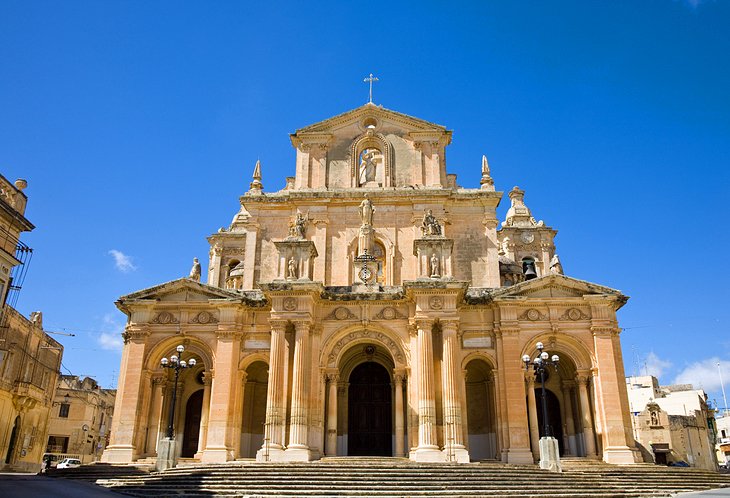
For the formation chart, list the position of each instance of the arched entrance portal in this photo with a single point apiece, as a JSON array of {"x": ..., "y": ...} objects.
[
  {"x": 193, "y": 411},
  {"x": 555, "y": 424},
  {"x": 13, "y": 440},
  {"x": 370, "y": 411},
  {"x": 481, "y": 410},
  {"x": 254, "y": 408}
]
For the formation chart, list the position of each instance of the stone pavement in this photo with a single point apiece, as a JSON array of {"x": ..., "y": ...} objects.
[
  {"x": 713, "y": 493},
  {"x": 35, "y": 486}
]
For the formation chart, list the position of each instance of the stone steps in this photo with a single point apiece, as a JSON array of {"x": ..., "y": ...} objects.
[{"x": 395, "y": 477}]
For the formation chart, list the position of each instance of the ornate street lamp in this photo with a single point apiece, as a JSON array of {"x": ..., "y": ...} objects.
[
  {"x": 167, "y": 458},
  {"x": 549, "y": 450}
]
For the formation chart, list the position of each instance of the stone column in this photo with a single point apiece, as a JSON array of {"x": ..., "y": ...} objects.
[
  {"x": 124, "y": 423},
  {"x": 518, "y": 433},
  {"x": 454, "y": 441},
  {"x": 585, "y": 409},
  {"x": 223, "y": 396},
  {"x": 532, "y": 414},
  {"x": 205, "y": 413},
  {"x": 155, "y": 414},
  {"x": 331, "y": 442},
  {"x": 399, "y": 426},
  {"x": 298, "y": 449},
  {"x": 613, "y": 419},
  {"x": 427, "y": 450},
  {"x": 570, "y": 448},
  {"x": 275, "y": 402},
  {"x": 498, "y": 416}
]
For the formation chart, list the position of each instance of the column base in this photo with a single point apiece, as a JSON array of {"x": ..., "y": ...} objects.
[
  {"x": 520, "y": 456},
  {"x": 427, "y": 454},
  {"x": 274, "y": 453},
  {"x": 550, "y": 454},
  {"x": 118, "y": 454},
  {"x": 217, "y": 455},
  {"x": 166, "y": 457},
  {"x": 457, "y": 453},
  {"x": 622, "y": 455},
  {"x": 298, "y": 454}
]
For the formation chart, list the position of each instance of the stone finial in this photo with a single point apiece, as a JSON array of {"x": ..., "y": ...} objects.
[
  {"x": 36, "y": 318},
  {"x": 20, "y": 184},
  {"x": 486, "y": 182},
  {"x": 519, "y": 214},
  {"x": 195, "y": 270},
  {"x": 256, "y": 186}
]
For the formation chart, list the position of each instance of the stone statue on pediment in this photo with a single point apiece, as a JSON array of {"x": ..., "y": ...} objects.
[
  {"x": 556, "y": 267},
  {"x": 195, "y": 270},
  {"x": 430, "y": 225}
]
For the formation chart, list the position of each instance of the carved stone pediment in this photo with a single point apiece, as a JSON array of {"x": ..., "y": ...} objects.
[
  {"x": 533, "y": 315},
  {"x": 164, "y": 318},
  {"x": 204, "y": 317},
  {"x": 574, "y": 314},
  {"x": 341, "y": 313},
  {"x": 390, "y": 313}
]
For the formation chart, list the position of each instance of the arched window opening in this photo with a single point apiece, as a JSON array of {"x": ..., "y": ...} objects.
[
  {"x": 528, "y": 268},
  {"x": 379, "y": 253}
]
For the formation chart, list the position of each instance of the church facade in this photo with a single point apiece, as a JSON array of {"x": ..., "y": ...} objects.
[{"x": 374, "y": 307}]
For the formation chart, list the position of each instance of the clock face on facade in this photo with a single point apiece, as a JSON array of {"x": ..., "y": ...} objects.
[
  {"x": 527, "y": 237},
  {"x": 365, "y": 274}
]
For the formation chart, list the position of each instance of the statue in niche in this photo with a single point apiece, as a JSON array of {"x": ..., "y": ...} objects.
[
  {"x": 429, "y": 225},
  {"x": 555, "y": 267},
  {"x": 298, "y": 226},
  {"x": 435, "y": 266},
  {"x": 291, "y": 269},
  {"x": 654, "y": 418},
  {"x": 195, "y": 270},
  {"x": 369, "y": 159},
  {"x": 366, "y": 212}
]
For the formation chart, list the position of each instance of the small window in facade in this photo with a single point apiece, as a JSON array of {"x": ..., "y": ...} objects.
[{"x": 63, "y": 411}]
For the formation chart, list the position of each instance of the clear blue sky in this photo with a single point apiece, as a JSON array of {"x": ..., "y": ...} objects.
[{"x": 137, "y": 126}]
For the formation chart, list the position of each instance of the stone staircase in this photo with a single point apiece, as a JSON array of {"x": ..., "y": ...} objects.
[{"x": 394, "y": 477}]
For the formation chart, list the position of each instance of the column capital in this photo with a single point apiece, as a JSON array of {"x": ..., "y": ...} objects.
[
  {"x": 302, "y": 326},
  {"x": 207, "y": 377},
  {"x": 422, "y": 323},
  {"x": 157, "y": 379},
  {"x": 582, "y": 378},
  {"x": 530, "y": 378},
  {"x": 449, "y": 326},
  {"x": 278, "y": 325},
  {"x": 332, "y": 377}
]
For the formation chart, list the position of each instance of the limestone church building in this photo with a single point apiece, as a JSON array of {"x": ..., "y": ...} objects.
[{"x": 374, "y": 307}]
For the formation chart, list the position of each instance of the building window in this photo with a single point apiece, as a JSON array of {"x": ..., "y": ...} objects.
[{"x": 63, "y": 411}]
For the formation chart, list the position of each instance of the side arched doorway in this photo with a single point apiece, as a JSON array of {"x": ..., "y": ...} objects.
[
  {"x": 254, "y": 408},
  {"x": 193, "y": 412},
  {"x": 13, "y": 440},
  {"x": 370, "y": 411},
  {"x": 554, "y": 420}
]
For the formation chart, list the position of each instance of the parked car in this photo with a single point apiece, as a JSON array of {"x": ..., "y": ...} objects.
[{"x": 69, "y": 463}]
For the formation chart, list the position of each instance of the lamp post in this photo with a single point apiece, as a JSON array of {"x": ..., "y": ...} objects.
[
  {"x": 166, "y": 456},
  {"x": 549, "y": 449}
]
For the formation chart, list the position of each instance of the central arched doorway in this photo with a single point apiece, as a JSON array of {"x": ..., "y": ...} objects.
[
  {"x": 370, "y": 411},
  {"x": 554, "y": 421},
  {"x": 193, "y": 411}
]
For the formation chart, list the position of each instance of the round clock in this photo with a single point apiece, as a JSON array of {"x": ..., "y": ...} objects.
[{"x": 527, "y": 237}]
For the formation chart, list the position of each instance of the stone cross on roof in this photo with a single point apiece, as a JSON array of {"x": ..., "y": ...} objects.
[{"x": 370, "y": 79}]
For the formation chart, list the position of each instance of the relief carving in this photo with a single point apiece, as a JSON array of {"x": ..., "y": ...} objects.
[
  {"x": 204, "y": 317},
  {"x": 164, "y": 317},
  {"x": 574, "y": 314},
  {"x": 389, "y": 313},
  {"x": 532, "y": 315},
  {"x": 340, "y": 313}
]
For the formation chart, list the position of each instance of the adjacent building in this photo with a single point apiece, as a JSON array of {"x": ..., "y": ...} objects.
[
  {"x": 80, "y": 420},
  {"x": 672, "y": 423},
  {"x": 30, "y": 359},
  {"x": 373, "y": 306},
  {"x": 722, "y": 446}
]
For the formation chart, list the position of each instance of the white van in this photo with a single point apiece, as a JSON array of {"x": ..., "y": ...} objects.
[{"x": 69, "y": 463}]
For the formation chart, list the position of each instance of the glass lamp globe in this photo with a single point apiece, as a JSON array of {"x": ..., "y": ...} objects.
[
  {"x": 526, "y": 358},
  {"x": 183, "y": 363},
  {"x": 544, "y": 355},
  {"x": 555, "y": 358},
  {"x": 173, "y": 358},
  {"x": 180, "y": 348},
  {"x": 192, "y": 362},
  {"x": 539, "y": 346},
  {"x": 163, "y": 362}
]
